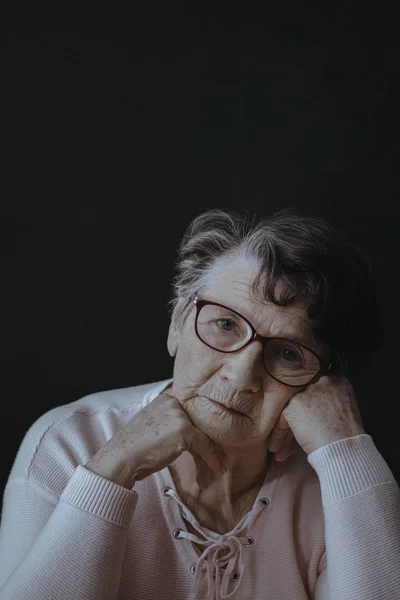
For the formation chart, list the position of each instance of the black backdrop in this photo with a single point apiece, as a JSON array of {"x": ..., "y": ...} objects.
[{"x": 114, "y": 138}]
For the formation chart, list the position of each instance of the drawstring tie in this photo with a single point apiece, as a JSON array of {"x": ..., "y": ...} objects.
[{"x": 215, "y": 555}]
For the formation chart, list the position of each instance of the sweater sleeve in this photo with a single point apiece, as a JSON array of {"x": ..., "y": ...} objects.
[
  {"x": 361, "y": 504},
  {"x": 66, "y": 547}
]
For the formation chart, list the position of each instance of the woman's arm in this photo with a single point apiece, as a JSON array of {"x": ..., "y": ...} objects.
[{"x": 71, "y": 547}]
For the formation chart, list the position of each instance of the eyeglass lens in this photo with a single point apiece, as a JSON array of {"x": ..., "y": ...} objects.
[{"x": 226, "y": 331}]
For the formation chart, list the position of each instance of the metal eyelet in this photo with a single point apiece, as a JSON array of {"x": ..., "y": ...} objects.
[
  {"x": 250, "y": 542},
  {"x": 165, "y": 490},
  {"x": 193, "y": 569},
  {"x": 234, "y": 576},
  {"x": 176, "y": 533},
  {"x": 264, "y": 501}
]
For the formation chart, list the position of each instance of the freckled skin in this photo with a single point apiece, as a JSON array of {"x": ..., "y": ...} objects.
[{"x": 238, "y": 379}]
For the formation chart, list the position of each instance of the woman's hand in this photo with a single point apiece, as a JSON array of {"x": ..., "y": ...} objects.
[
  {"x": 282, "y": 443},
  {"x": 150, "y": 441},
  {"x": 318, "y": 415}
]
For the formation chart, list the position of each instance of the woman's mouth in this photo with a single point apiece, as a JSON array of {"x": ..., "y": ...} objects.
[{"x": 228, "y": 410}]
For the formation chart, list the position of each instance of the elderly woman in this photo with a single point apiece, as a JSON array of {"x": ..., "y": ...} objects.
[{"x": 249, "y": 475}]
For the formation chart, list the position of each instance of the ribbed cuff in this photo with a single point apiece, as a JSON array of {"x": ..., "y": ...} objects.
[
  {"x": 100, "y": 496},
  {"x": 349, "y": 466}
]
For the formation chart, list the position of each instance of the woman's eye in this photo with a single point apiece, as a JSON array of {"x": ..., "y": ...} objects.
[
  {"x": 226, "y": 324},
  {"x": 290, "y": 354}
]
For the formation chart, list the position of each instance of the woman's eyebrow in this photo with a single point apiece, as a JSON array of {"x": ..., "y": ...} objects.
[{"x": 299, "y": 338}]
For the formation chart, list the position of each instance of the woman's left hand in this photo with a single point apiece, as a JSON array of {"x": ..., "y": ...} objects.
[{"x": 318, "y": 415}]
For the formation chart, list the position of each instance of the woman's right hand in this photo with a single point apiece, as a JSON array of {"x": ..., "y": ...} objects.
[{"x": 155, "y": 437}]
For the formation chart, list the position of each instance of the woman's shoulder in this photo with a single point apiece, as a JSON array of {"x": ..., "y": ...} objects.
[{"x": 69, "y": 434}]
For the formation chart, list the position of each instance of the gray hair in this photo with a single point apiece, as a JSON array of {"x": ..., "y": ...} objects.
[{"x": 307, "y": 255}]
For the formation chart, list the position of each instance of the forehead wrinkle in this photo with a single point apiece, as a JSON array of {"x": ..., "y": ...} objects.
[
  {"x": 278, "y": 329},
  {"x": 277, "y": 323},
  {"x": 230, "y": 288},
  {"x": 281, "y": 322}
]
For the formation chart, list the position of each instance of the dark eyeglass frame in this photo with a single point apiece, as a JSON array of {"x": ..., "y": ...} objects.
[{"x": 325, "y": 366}]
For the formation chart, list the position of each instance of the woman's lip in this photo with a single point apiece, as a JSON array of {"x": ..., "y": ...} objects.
[{"x": 229, "y": 410}]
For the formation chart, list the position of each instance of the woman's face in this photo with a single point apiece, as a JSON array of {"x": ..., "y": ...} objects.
[{"x": 238, "y": 380}]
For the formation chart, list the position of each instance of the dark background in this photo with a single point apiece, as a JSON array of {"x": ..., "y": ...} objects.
[{"x": 113, "y": 137}]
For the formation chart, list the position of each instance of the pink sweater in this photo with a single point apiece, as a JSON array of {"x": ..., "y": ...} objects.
[{"x": 68, "y": 534}]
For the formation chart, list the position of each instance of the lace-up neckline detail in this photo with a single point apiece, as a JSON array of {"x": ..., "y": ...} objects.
[{"x": 223, "y": 553}]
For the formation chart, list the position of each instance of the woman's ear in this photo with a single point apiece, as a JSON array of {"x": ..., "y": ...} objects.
[
  {"x": 173, "y": 335},
  {"x": 172, "y": 340}
]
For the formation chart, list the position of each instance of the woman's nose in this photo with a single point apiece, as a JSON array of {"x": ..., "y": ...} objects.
[{"x": 245, "y": 369}]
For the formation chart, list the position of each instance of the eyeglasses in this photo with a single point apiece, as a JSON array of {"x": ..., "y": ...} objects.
[{"x": 225, "y": 330}]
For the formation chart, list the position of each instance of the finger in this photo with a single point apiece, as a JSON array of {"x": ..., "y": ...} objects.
[
  {"x": 277, "y": 435},
  {"x": 280, "y": 428},
  {"x": 286, "y": 448},
  {"x": 282, "y": 423},
  {"x": 283, "y": 453},
  {"x": 279, "y": 438},
  {"x": 276, "y": 439},
  {"x": 289, "y": 437}
]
